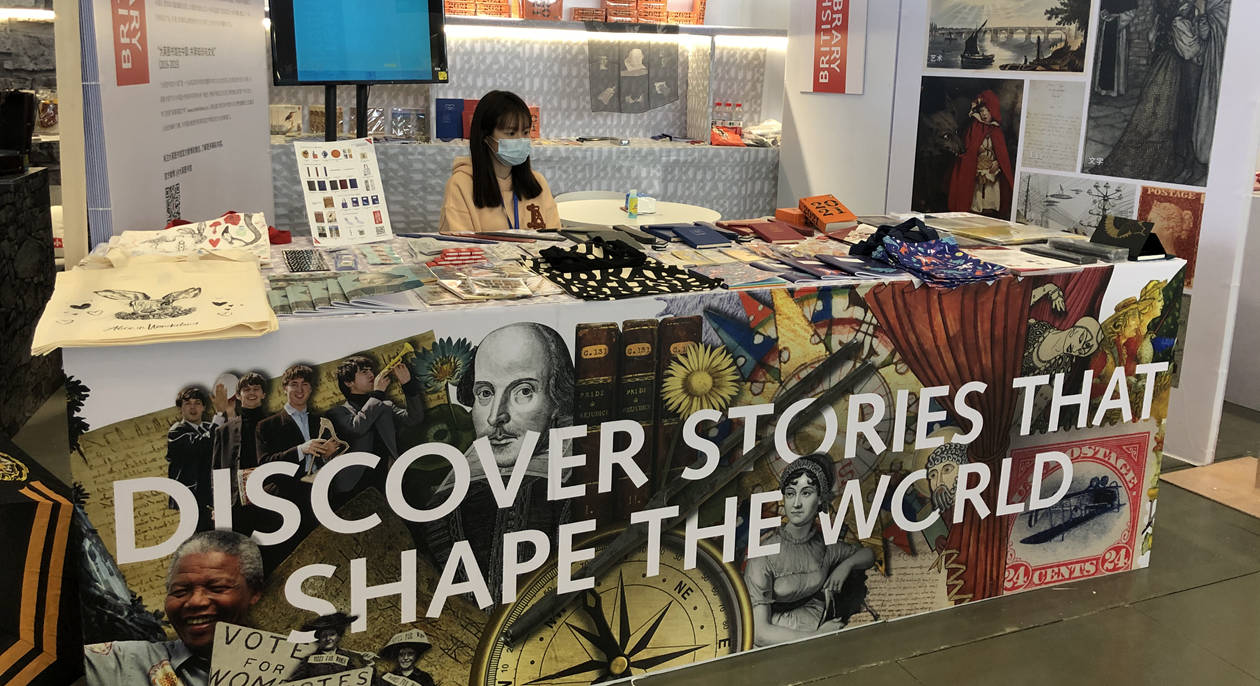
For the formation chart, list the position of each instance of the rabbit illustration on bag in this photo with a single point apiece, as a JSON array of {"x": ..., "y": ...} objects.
[{"x": 144, "y": 307}]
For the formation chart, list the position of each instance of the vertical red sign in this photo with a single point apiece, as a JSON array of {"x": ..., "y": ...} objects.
[
  {"x": 131, "y": 42},
  {"x": 831, "y": 46}
]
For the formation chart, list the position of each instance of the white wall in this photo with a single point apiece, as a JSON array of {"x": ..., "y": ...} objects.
[
  {"x": 764, "y": 14},
  {"x": 1243, "y": 387},
  {"x": 839, "y": 144},
  {"x": 1195, "y": 410}
]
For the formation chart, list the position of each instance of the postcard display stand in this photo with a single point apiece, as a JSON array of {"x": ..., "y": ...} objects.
[{"x": 682, "y": 404}]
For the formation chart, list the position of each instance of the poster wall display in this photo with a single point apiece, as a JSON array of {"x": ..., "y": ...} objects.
[
  {"x": 595, "y": 491},
  {"x": 837, "y": 63},
  {"x": 1177, "y": 215},
  {"x": 341, "y": 187},
  {"x": 176, "y": 112},
  {"x": 1054, "y": 124},
  {"x": 1156, "y": 84},
  {"x": 1030, "y": 35},
  {"x": 968, "y": 141},
  {"x": 1072, "y": 203},
  {"x": 1152, "y": 109}
]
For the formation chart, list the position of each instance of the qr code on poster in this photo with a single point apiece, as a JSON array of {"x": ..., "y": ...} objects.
[{"x": 172, "y": 202}]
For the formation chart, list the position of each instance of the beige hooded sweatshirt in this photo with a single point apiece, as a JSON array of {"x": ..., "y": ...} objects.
[{"x": 460, "y": 214}]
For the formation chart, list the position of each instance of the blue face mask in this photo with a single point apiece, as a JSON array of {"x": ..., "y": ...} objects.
[{"x": 513, "y": 151}]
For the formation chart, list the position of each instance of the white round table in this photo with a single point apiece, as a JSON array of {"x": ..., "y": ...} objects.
[{"x": 608, "y": 212}]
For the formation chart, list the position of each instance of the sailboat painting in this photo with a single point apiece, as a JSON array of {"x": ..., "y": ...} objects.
[
  {"x": 1017, "y": 35},
  {"x": 971, "y": 56}
]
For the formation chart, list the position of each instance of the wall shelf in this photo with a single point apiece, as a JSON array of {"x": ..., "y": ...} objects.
[{"x": 683, "y": 29}]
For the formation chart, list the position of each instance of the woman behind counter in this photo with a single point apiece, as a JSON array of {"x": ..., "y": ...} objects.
[
  {"x": 494, "y": 189},
  {"x": 789, "y": 590}
]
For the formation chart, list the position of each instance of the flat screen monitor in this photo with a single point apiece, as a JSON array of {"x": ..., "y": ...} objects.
[{"x": 324, "y": 42}]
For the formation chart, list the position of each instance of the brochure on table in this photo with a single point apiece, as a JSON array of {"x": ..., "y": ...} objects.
[{"x": 341, "y": 186}]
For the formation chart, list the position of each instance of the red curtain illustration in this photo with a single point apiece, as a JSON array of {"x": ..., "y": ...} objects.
[{"x": 950, "y": 338}]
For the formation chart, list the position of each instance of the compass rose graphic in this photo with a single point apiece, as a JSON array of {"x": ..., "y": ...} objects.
[
  {"x": 614, "y": 656},
  {"x": 628, "y": 624}
]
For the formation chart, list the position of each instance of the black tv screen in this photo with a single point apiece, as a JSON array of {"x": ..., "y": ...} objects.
[{"x": 317, "y": 42}]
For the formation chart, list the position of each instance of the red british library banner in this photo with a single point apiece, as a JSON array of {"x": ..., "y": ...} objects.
[
  {"x": 131, "y": 43},
  {"x": 831, "y": 46}
]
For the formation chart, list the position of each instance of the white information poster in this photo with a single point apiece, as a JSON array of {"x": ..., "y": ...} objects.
[
  {"x": 180, "y": 127},
  {"x": 341, "y": 186}
]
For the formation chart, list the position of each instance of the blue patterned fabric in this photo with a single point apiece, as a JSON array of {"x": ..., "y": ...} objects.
[{"x": 940, "y": 262}]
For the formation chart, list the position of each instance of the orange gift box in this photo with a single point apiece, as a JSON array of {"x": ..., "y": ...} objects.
[{"x": 790, "y": 215}]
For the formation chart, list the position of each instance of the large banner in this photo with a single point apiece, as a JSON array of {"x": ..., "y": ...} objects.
[
  {"x": 553, "y": 494},
  {"x": 178, "y": 122}
]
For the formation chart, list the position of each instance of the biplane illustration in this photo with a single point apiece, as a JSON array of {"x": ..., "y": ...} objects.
[{"x": 1100, "y": 497}]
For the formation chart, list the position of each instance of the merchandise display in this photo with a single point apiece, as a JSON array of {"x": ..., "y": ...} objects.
[
  {"x": 343, "y": 191},
  {"x": 1019, "y": 261},
  {"x": 988, "y": 230},
  {"x": 156, "y": 302},
  {"x": 244, "y": 231},
  {"x": 497, "y": 401}
]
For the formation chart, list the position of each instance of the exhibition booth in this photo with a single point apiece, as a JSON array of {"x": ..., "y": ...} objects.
[{"x": 856, "y": 311}]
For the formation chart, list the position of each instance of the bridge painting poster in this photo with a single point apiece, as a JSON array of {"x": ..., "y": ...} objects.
[{"x": 1018, "y": 35}]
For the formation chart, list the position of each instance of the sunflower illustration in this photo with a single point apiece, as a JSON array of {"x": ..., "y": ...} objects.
[
  {"x": 443, "y": 363},
  {"x": 702, "y": 378}
]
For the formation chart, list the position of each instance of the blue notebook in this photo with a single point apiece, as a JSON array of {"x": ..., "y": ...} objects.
[{"x": 701, "y": 237}]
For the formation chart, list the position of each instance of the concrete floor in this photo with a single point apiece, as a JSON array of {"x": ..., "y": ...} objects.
[{"x": 1192, "y": 617}]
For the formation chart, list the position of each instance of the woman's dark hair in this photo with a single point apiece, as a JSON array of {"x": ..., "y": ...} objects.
[
  {"x": 816, "y": 467},
  {"x": 495, "y": 108}
]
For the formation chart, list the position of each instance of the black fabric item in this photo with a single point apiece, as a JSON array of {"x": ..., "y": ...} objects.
[
  {"x": 910, "y": 231},
  {"x": 596, "y": 253},
  {"x": 611, "y": 270},
  {"x": 42, "y": 534}
]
